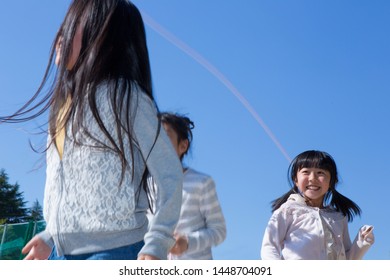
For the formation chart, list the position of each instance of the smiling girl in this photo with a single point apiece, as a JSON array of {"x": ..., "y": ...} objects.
[{"x": 311, "y": 220}]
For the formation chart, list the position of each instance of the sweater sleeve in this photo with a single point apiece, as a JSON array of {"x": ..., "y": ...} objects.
[
  {"x": 165, "y": 168},
  {"x": 214, "y": 231},
  {"x": 359, "y": 246},
  {"x": 275, "y": 232},
  {"x": 46, "y": 237}
]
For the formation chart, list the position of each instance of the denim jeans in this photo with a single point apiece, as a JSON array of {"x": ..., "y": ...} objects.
[{"x": 129, "y": 252}]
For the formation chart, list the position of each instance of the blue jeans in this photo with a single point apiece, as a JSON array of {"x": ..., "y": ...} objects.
[{"x": 129, "y": 252}]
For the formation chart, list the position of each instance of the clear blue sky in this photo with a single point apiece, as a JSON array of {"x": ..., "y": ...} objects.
[{"x": 304, "y": 74}]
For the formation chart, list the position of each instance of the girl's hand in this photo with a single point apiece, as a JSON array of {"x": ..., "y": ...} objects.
[
  {"x": 367, "y": 234},
  {"x": 180, "y": 246},
  {"x": 36, "y": 249}
]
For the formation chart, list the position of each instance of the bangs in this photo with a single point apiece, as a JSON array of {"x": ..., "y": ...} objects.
[{"x": 315, "y": 159}]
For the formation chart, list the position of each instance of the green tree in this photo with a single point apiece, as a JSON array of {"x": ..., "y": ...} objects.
[
  {"x": 12, "y": 204},
  {"x": 36, "y": 212}
]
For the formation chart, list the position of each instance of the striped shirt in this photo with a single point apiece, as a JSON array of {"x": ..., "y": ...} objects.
[{"x": 201, "y": 219}]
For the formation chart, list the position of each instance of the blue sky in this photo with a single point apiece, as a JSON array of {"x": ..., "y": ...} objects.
[{"x": 262, "y": 80}]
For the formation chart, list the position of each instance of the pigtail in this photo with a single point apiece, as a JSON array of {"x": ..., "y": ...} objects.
[
  {"x": 344, "y": 205},
  {"x": 275, "y": 204}
]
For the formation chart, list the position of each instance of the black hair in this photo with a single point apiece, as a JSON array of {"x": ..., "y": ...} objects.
[
  {"x": 113, "y": 51},
  {"x": 181, "y": 124},
  {"x": 321, "y": 160}
]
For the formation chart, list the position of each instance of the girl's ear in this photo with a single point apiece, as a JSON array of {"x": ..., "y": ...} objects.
[
  {"x": 58, "y": 50},
  {"x": 183, "y": 147}
]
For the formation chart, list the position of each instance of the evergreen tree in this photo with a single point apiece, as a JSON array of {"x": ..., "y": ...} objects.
[
  {"x": 12, "y": 204},
  {"x": 36, "y": 212}
]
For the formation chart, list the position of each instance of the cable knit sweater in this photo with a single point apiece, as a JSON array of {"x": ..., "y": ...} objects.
[{"x": 85, "y": 207}]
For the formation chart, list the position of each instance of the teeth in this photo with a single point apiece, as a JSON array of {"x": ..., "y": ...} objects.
[{"x": 312, "y": 188}]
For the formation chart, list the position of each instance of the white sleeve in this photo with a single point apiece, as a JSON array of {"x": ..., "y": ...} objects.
[{"x": 274, "y": 235}]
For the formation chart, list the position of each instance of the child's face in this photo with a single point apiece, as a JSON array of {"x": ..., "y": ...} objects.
[
  {"x": 180, "y": 146},
  {"x": 76, "y": 47},
  {"x": 313, "y": 183}
]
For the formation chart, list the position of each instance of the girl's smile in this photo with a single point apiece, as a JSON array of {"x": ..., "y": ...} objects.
[{"x": 313, "y": 183}]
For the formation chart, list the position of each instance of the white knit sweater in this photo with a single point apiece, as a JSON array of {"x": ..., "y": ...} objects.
[{"x": 85, "y": 207}]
